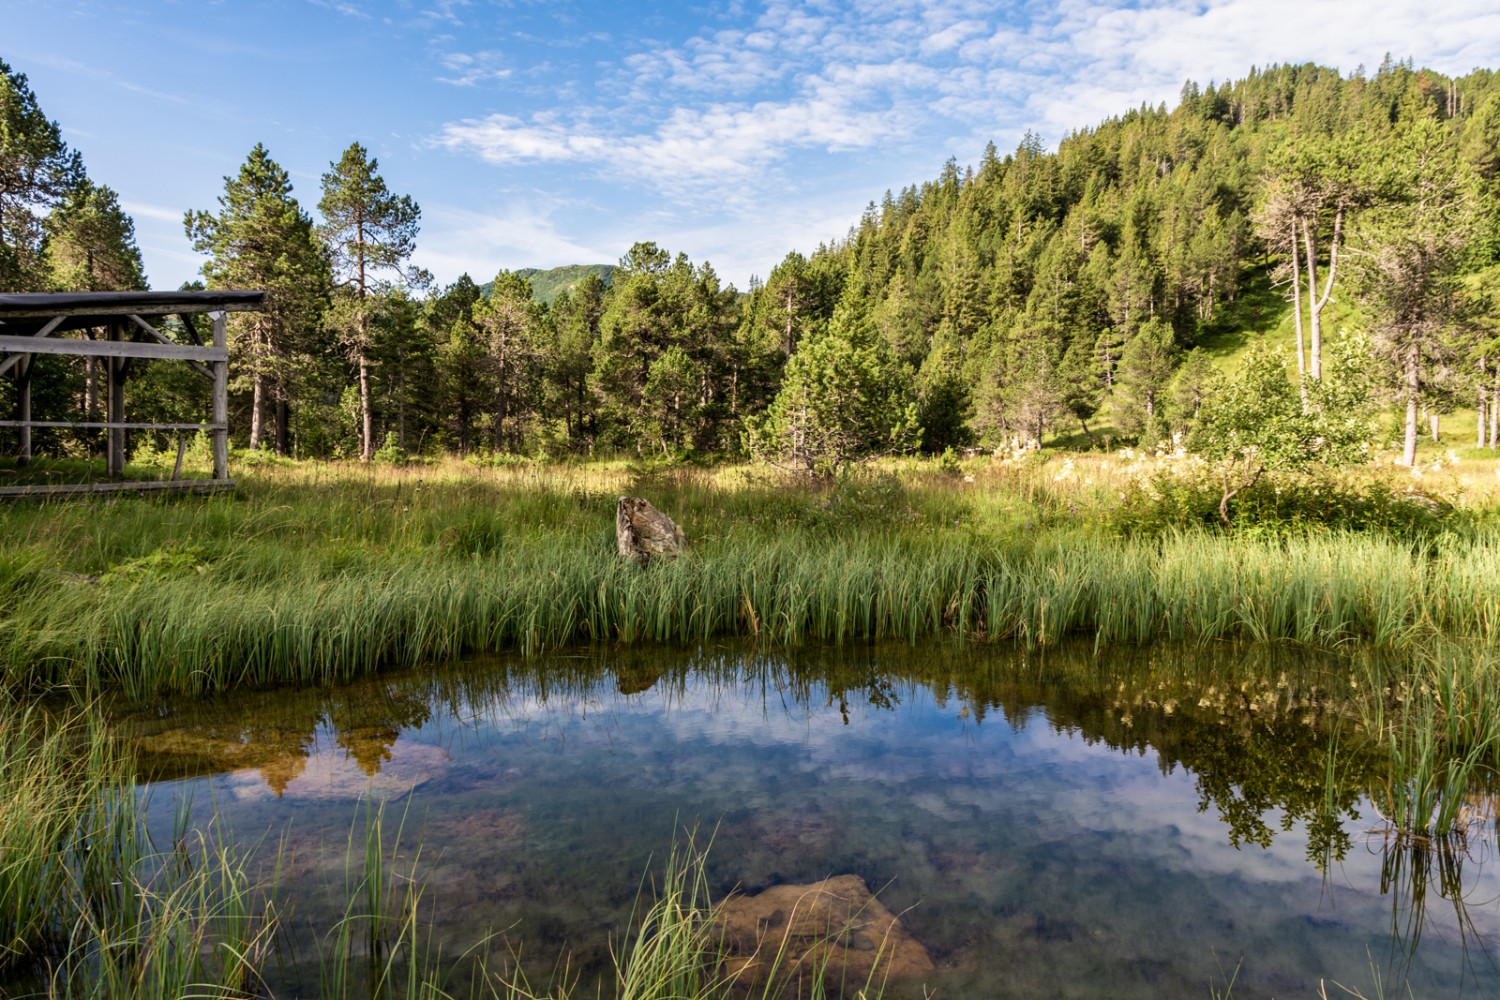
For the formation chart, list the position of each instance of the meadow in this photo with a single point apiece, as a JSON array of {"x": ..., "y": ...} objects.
[
  {"x": 317, "y": 573},
  {"x": 312, "y": 573}
]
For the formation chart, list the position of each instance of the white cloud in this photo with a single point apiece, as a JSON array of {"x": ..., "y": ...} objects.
[
  {"x": 470, "y": 68},
  {"x": 160, "y": 213},
  {"x": 520, "y": 234}
]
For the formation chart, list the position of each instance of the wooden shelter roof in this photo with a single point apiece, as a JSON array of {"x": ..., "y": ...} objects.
[{"x": 23, "y": 312}]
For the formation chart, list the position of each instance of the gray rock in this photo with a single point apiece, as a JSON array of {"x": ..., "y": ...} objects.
[{"x": 644, "y": 533}]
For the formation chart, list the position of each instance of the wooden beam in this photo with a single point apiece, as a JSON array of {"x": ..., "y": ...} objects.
[
  {"x": 100, "y": 425},
  {"x": 153, "y": 332},
  {"x": 115, "y": 436},
  {"x": 14, "y": 359},
  {"x": 167, "y": 309},
  {"x": 23, "y": 389},
  {"x": 220, "y": 415},
  {"x": 192, "y": 328},
  {"x": 158, "y": 485},
  {"x": 111, "y": 349}
]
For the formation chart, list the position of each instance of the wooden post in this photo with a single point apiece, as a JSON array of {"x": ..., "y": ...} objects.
[
  {"x": 221, "y": 400},
  {"x": 115, "y": 460},
  {"x": 23, "y": 390}
]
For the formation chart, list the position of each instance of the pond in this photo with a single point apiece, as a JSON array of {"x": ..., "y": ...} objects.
[{"x": 1137, "y": 823}]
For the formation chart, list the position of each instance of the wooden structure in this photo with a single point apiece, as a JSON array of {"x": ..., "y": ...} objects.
[{"x": 38, "y": 323}]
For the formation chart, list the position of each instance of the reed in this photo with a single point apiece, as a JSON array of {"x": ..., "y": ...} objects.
[{"x": 316, "y": 575}]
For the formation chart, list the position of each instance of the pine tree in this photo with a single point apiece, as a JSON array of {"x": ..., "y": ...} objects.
[
  {"x": 262, "y": 240},
  {"x": 37, "y": 172},
  {"x": 368, "y": 230},
  {"x": 1406, "y": 257},
  {"x": 91, "y": 243},
  {"x": 845, "y": 397}
]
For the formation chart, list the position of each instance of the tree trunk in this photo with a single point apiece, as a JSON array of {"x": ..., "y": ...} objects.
[
  {"x": 1297, "y": 315},
  {"x": 257, "y": 409},
  {"x": 283, "y": 427},
  {"x": 1433, "y": 420},
  {"x": 1411, "y": 389},
  {"x": 1495, "y": 411},
  {"x": 366, "y": 416},
  {"x": 1315, "y": 303},
  {"x": 1480, "y": 409}
]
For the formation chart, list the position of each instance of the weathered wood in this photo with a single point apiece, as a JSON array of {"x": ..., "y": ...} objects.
[
  {"x": 23, "y": 389},
  {"x": 181, "y": 450},
  {"x": 156, "y": 485},
  {"x": 81, "y": 305},
  {"x": 220, "y": 414},
  {"x": 160, "y": 337},
  {"x": 115, "y": 436},
  {"x": 102, "y": 425},
  {"x": 111, "y": 349},
  {"x": 8, "y": 363}
]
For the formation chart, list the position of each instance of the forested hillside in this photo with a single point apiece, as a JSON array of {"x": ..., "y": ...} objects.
[
  {"x": 548, "y": 283},
  {"x": 1030, "y": 295}
]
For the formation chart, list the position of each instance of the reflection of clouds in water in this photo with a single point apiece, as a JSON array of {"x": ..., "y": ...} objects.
[{"x": 722, "y": 740}]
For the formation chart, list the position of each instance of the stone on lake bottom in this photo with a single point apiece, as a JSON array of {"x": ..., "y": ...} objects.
[{"x": 835, "y": 925}]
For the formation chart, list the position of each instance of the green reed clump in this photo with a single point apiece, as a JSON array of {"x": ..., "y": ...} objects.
[
  {"x": 58, "y": 796},
  {"x": 315, "y": 580},
  {"x": 1440, "y": 726}
]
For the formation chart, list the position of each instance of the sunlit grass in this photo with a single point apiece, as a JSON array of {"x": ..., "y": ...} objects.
[{"x": 314, "y": 573}]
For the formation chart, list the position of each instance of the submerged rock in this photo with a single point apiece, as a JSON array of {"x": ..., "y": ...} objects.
[
  {"x": 644, "y": 533},
  {"x": 835, "y": 925}
]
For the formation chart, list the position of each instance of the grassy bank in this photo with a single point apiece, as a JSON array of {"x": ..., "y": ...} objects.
[{"x": 315, "y": 573}]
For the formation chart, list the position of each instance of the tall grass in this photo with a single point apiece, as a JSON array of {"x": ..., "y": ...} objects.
[{"x": 311, "y": 580}]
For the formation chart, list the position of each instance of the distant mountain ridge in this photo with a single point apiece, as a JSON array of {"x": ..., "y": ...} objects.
[{"x": 547, "y": 284}]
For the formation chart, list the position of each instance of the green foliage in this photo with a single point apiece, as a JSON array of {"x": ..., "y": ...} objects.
[
  {"x": 1280, "y": 504},
  {"x": 391, "y": 452},
  {"x": 261, "y": 239},
  {"x": 91, "y": 243},
  {"x": 37, "y": 171},
  {"x": 844, "y": 397},
  {"x": 1258, "y": 421}
]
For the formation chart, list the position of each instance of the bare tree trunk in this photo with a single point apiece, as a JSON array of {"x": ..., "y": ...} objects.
[
  {"x": 1480, "y": 409},
  {"x": 257, "y": 409},
  {"x": 1297, "y": 313},
  {"x": 1315, "y": 303},
  {"x": 1495, "y": 410},
  {"x": 366, "y": 415},
  {"x": 1411, "y": 388},
  {"x": 1433, "y": 419}
]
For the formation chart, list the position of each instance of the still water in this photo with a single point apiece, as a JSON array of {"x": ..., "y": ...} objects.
[{"x": 1139, "y": 823}]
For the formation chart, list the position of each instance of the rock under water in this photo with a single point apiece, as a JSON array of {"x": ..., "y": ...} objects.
[{"x": 835, "y": 926}]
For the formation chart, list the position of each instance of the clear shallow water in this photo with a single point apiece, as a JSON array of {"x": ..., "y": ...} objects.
[{"x": 1137, "y": 824}]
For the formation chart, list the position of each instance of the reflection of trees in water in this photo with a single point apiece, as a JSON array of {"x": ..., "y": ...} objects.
[
  {"x": 1252, "y": 727},
  {"x": 275, "y": 732}
]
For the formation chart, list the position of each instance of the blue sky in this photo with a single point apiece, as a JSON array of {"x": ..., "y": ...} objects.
[{"x": 542, "y": 133}]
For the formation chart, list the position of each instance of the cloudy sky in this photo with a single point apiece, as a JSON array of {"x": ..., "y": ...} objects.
[{"x": 547, "y": 132}]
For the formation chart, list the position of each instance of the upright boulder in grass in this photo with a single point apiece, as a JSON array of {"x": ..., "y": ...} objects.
[{"x": 644, "y": 533}]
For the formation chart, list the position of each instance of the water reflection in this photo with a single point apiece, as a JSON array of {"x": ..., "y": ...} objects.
[{"x": 1056, "y": 824}]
